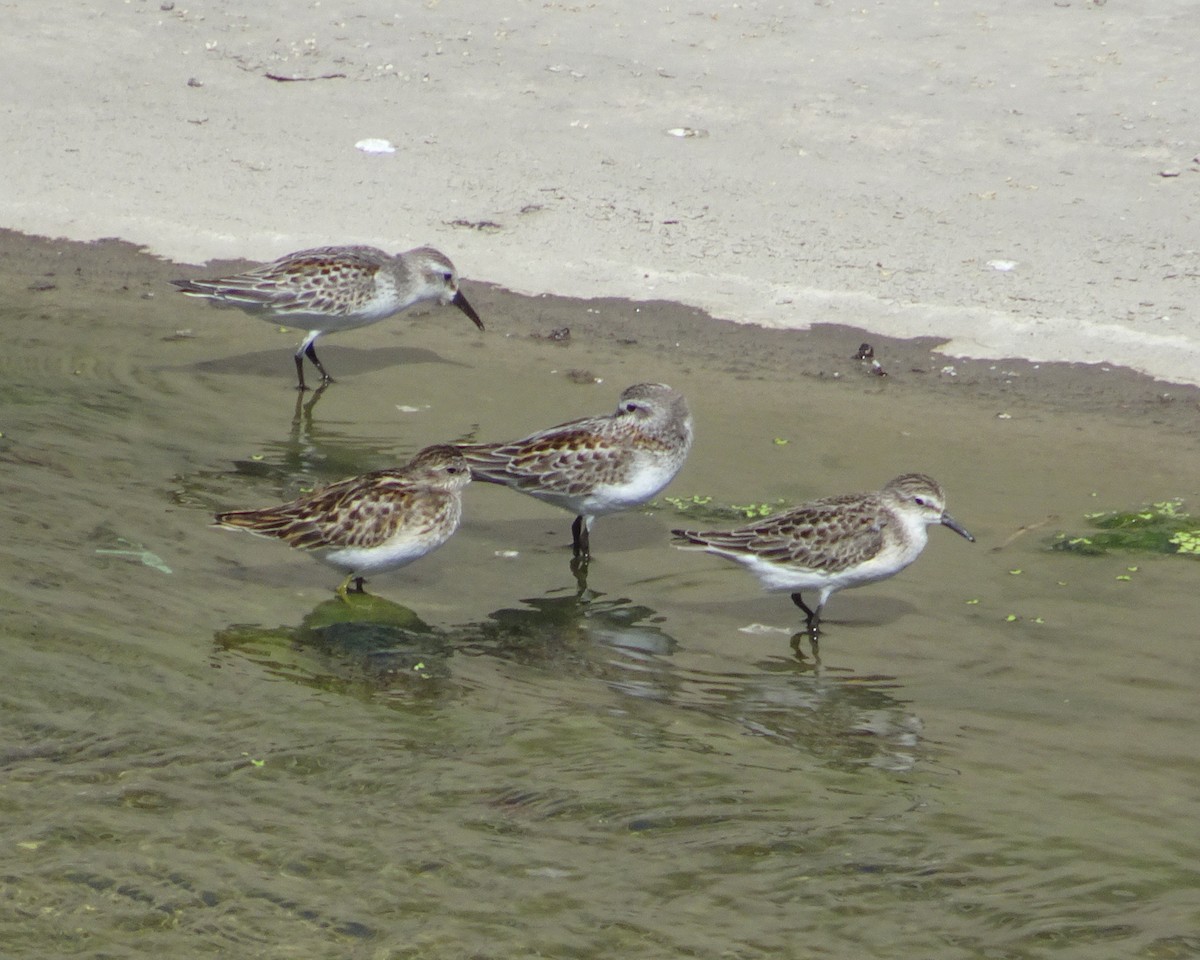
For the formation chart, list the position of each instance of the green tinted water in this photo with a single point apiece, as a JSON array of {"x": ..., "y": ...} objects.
[{"x": 995, "y": 756}]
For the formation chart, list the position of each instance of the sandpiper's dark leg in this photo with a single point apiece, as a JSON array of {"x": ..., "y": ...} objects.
[
  {"x": 343, "y": 588},
  {"x": 812, "y": 619},
  {"x": 311, "y": 352},
  {"x": 580, "y": 539},
  {"x": 300, "y": 370}
]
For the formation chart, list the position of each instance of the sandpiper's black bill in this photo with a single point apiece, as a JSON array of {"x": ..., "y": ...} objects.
[
  {"x": 461, "y": 302},
  {"x": 949, "y": 521}
]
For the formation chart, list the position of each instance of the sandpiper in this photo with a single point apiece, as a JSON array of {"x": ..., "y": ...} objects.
[
  {"x": 596, "y": 465},
  {"x": 330, "y": 289},
  {"x": 375, "y": 522},
  {"x": 835, "y": 542}
]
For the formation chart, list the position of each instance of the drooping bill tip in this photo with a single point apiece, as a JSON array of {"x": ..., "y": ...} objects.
[
  {"x": 949, "y": 521},
  {"x": 461, "y": 302}
]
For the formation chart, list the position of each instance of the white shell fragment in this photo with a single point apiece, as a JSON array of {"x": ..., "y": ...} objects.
[
  {"x": 1004, "y": 265},
  {"x": 375, "y": 145},
  {"x": 563, "y": 68},
  {"x": 685, "y": 132}
]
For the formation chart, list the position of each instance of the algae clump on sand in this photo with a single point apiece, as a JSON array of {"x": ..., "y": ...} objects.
[{"x": 1161, "y": 527}]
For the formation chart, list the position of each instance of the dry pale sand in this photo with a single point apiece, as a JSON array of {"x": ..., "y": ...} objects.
[{"x": 1013, "y": 177}]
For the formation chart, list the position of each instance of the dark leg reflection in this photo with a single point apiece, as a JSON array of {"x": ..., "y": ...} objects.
[
  {"x": 797, "y": 644},
  {"x": 305, "y": 404},
  {"x": 579, "y": 570}
]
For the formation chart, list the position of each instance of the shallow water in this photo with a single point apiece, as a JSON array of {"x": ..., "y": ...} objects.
[{"x": 201, "y": 757}]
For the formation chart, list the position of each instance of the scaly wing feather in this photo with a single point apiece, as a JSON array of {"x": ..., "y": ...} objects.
[
  {"x": 295, "y": 284},
  {"x": 549, "y": 461},
  {"x": 821, "y": 535},
  {"x": 360, "y": 512}
]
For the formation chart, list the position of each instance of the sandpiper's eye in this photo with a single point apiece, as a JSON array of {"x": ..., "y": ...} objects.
[
  {"x": 448, "y": 277},
  {"x": 920, "y": 501},
  {"x": 631, "y": 407}
]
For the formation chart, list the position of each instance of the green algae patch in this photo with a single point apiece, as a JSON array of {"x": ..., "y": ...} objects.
[
  {"x": 1162, "y": 527},
  {"x": 362, "y": 608},
  {"x": 702, "y": 509},
  {"x": 364, "y": 644}
]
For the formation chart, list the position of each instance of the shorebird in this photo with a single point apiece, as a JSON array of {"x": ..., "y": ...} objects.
[
  {"x": 375, "y": 522},
  {"x": 595, "y": 465},
  {"x": 834, "y": 543},
  {"x": 330, "y": 289}
]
